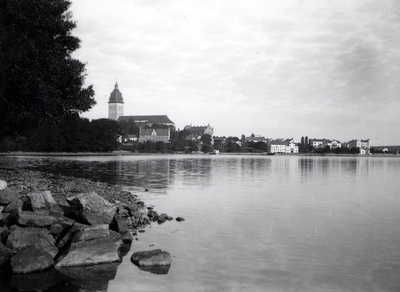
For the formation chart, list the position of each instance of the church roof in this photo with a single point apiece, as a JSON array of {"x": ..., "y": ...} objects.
[
  {"x": 163, "y": 119},
  {"x": 116, "y": 95}
]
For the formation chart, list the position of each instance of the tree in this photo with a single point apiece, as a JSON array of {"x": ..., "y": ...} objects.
[
  {"x": 206, "y": 139},
  {"x": 40, "y": 83}
]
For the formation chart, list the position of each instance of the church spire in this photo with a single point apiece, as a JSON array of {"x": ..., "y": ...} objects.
[{"x": 116, "y": 84}]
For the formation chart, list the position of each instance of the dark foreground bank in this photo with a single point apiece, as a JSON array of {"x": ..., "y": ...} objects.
[{"x": 59, "y": 231}]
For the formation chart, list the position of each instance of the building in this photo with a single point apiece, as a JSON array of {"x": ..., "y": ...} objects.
[
  {"x": 322, "y": 143},
  {"x": 116, "y": 112},
  {"x": 115, "y": 104},
  {"x": 319, "y": 143},
  {"x": 363, "y": 145},
  {"x": 143, "y": 121},
  {"x": 256, "y": 139},
  {"x": 283, "y": 146},
  {"x": 195, "y": 132},
  {"x": 154, "y": 135}
]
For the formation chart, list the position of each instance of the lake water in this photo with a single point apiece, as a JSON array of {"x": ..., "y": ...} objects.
[{"x": 258, "y": 223}]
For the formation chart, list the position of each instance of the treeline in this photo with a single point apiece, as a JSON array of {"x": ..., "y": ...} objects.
[{"x": 73, "y": 134}]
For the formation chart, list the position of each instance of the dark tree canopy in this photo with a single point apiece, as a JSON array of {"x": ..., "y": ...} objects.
[{"x": 40, "y": 83}]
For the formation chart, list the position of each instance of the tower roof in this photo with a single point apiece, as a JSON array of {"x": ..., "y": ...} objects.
[{"x": 116, "y": 95}]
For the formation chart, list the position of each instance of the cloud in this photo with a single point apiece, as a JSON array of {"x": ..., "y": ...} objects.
[{"x": 277, "y": 68}]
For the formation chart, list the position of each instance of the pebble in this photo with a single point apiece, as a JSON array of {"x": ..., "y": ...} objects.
[{"x": 3, "y": 184}]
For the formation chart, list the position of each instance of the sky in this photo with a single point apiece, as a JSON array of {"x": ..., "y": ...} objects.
[{"x": 278, "y": 69}]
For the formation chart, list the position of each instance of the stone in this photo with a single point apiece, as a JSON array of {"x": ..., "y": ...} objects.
[
  {"x": 91, "y": 278},
  {"x": 3, "y": 184},
  {"x": 179, "y": 219},
  {"x": 20, "y": 238},
  {"x": 41, "y": 200},
  {"x": 90, "y": 233},
  {"x": 5, "y": 254},
  {"x": 91, "y": 252},
  {"x": 31, "y": 259},
  {"x": 69, "y": 235},
  {"x": 7, "y": 196},
  {"x": 162, "y": 218},
  {"x": 119, "y": 225},
  {"x": 14, "y": 206},
  {"x": 127, "y": 237},
  {"x": 155, "y": 257},
  {"x": 33, "y": 219},
  {"x": 93, "y": 209},
  {"x": 40, "y": 281}
]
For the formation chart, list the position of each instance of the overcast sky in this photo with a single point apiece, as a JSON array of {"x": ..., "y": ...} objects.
[{"x": 280, "y": 69}]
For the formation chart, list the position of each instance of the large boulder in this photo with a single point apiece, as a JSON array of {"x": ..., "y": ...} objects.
[
  {"x": 40, "y": 281},
  {"x": 93, "y": 209},
  {"x": 149, "y": 258},
  {"x": 7, "y": 196},
  {"x": 43, "y": 202},
  {"x": 92, "y": 246},
  {"x": 91, "y": 278},
  {"x": 20, "y": 238},
  {"x": 14, "y": 206},
  {"x": 5, "y": 254},
  {"x": 31, "y": 259},
  {"x": 33, "y": 219}
]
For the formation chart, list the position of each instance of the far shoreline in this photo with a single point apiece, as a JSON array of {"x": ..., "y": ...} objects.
[{"x": 129, "y": 153}]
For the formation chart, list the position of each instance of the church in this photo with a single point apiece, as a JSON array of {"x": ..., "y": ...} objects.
[{"x": 116, "y": 112}]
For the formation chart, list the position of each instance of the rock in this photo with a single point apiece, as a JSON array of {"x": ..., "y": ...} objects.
[
  {"x": 127, "y": 237},
  {"x": 40, "y": 201},
  {"x": 90, "y": 233},
  {"x": 143, "y": 210},
  {"x": 91, "y": 278},
  {"x": 65, "y": 239},
  {"x": 55, "y": 229},
  {"x": 14, "y": 206},
  {"x": 33, "y": 219},
  {"x": 5, "y": 254},
  {"x": 31, "y": 259},
  {"x": 93, "y": 209},
  {"x": 179, "y": 219},
  {"x": 20, "y": 238},
  {"x": 155, "y": 257},
  {"x": 7, "y": 196},
  {"x": 162, "y": 218},
  {"x": 93, "y": 251},
  {"x": 119, "y": 225},
  {"x": 40, "y": 281},
  {"x": 3, "y": 184}
]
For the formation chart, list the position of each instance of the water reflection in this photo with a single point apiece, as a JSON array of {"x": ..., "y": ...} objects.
[
  {"x": 258, "y": 223},
  {"x": 88, "y": 278}
]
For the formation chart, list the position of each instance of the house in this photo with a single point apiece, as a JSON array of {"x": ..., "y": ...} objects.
[
  {"x": 154, "y": 134},
  {"x": 256, "y": 139},
  {"x": 322, "y": 143},
  {"x": 363, "y": 145},
  {"x": 282, "y": 146},
  {"x": 319, "y": 143}
]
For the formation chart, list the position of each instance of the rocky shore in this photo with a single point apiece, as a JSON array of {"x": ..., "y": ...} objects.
[{"x": 53, "y": 224}]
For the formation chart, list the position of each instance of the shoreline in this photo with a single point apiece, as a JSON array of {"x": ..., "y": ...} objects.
[{"x": 129, "y": 153}]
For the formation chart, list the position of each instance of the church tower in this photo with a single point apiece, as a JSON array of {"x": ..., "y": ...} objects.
[{"x": 115, "y": 104}]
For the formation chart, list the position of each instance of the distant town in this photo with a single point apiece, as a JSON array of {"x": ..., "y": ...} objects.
[{"x": 156, "y": 132}]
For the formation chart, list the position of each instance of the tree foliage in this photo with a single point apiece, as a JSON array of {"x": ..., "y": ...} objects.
[{"x": 40, "y": 83}]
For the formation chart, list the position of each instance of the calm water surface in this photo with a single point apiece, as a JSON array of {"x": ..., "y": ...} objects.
[{"x": 258, "y": 223}]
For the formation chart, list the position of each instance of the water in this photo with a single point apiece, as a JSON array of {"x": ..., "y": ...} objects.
[{"x": 258, "y": 223}]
